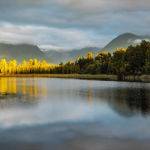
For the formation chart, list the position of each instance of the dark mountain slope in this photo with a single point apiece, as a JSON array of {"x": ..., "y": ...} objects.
[
  {"x": 20, "y": 51},
  {"x": 124, "y": 40}
]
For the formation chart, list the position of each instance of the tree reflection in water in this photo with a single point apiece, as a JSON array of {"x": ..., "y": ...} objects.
[
  {"x": 20, "y": 90},
  {"x": 126, "y": 100}
]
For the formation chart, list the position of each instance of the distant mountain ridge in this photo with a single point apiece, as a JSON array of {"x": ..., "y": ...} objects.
[
  {"x": 20, "y": 51},
  {"x": 63, "y": 56},
  {"x": 122, "y": 41},
  {"x": 26, "y": 51},
  {"x": 125, "y": 40}
]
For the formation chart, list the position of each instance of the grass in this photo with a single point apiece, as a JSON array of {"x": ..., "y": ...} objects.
[
  {"x": 142, "y": 78},
  {"x": 75, "y": 76}
]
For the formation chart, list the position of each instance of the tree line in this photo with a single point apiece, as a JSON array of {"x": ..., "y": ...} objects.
[
  {"x": 134, "y": 60},
  {"x": 25, "y": 67}
]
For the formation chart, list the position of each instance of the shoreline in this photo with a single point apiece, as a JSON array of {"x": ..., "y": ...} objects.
[{"x": 104, "y": 77}]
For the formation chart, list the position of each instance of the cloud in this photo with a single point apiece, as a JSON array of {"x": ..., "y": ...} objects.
[
  {"x": 47, "y": 37},
  {"x": 87, "y": 22},
  {"x": 68, "y": 12}
]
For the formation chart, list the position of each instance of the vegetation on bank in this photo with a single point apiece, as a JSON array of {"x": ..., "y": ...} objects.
[
  {"x": 135, "y": 61},
  {"x": 105, "y": 77}
]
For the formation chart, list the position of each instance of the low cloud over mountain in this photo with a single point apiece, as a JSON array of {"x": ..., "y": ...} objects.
[{"x": 71, "y": 23}]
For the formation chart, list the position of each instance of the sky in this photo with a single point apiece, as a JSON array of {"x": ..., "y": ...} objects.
[{"x": 69, "y": 24}]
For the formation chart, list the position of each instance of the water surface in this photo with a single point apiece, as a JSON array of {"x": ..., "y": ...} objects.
[{"x": 38, "y": 113}]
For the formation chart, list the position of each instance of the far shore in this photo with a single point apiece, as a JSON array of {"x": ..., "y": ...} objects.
[{"x": 131, "y": 78}]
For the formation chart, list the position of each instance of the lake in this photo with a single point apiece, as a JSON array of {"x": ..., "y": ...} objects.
[{"x": 69, "y": 114}]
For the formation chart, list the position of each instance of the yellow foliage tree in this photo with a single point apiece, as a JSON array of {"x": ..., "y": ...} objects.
[
  {"x": 26, "y": 66},
  {"x": 90, "y": 55}
]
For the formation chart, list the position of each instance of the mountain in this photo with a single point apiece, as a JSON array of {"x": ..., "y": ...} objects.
[
  {"x": 20, "y": 51},
  {"x": 124, "y": 40},
  {"x": 26, "y": 51},
  {"x": 63, "y": 56}
]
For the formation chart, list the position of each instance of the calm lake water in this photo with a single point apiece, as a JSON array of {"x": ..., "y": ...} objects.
[{"x": 68, "y": 114}]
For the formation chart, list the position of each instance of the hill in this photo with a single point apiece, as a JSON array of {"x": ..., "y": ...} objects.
[
  {"x": 20, "y": 51},
  {"x": 63, "y": 56},
  {"x": 26, "y": 51},
  {"x": 124, "y": 40}
]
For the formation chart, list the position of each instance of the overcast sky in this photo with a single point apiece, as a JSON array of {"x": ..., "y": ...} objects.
[{"x": 69, "y": 24}]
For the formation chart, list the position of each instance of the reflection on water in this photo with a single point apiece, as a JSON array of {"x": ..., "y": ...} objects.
[
  {"x": 126, "y": 99},
  {"x": 20, "y": 90},
  {"x": 63, "y": 100},
  {"x": 69, "y": 109},
  {"x": 24, "y": 86},
  {"x": 132, "y": 101}
]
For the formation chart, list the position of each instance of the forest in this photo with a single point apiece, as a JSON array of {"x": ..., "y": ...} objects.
[{"x": 134, "y": 60}]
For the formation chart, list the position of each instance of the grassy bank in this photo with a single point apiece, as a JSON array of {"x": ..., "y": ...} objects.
[{"x": 142, "y": 78}]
